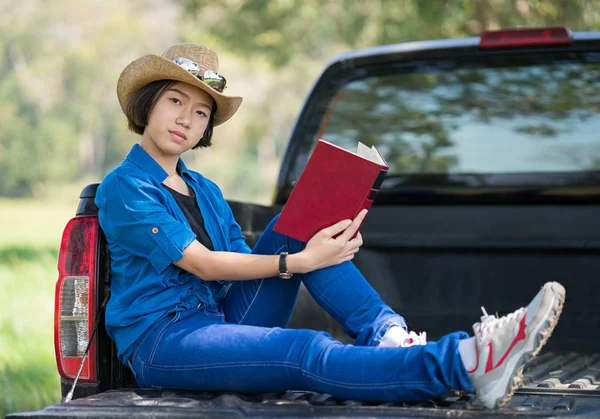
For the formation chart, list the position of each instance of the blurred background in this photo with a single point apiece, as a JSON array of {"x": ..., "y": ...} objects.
[{"x": 61, "y": 126}]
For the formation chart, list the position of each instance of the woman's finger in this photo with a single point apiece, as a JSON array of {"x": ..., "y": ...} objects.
[
  {"x": 354, "y": 250},
  {"x": 350, "y": 252},
  {"x": 335, "y": 229},
  {"x": 348, "y": 258},
  {"x": 353, "y": 228},
  {"x": 357, "y": 241}
]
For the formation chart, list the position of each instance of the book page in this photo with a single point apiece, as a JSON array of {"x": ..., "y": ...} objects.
[
  {"x": 377, "y": 157},
  {"x": 364, "y": 151},
  {"x": 369, "y": 153}
]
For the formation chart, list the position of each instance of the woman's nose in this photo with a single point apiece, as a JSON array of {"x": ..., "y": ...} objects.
[{"x": 184, "y": 120}]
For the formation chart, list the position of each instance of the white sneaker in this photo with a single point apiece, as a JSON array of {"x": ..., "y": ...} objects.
[{"x": 504, "y": 345}]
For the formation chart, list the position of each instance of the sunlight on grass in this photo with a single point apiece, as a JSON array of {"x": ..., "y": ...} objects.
[
  {"x": 28, "y": 376},
  {"x": 34, "y": 223},
  {"x": 30, "y": 234}
]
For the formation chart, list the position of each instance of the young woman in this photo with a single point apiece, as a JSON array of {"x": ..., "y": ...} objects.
[{"x": 192, "y": 306}]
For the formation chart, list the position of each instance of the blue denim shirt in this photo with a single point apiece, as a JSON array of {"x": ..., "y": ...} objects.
[{"x": 146, "y": 232}]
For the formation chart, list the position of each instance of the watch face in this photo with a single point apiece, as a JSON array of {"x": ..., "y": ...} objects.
[{"x": 285, "y": 275}]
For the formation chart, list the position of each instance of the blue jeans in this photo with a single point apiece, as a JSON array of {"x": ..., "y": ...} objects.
[{"x": 241, "y": 343}]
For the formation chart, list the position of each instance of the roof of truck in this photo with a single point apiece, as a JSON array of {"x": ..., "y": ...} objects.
[{"x": 414, "y": 46}]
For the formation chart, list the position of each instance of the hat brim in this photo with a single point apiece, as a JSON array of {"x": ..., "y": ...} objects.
[{"x": 152, "y": 67}]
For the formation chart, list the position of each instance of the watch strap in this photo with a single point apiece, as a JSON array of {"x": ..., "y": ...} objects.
[{"x": 283, "y": 270}]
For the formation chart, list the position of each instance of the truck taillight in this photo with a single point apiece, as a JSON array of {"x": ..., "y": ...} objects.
[
  {"x": 75, "y": 301},
  {"x": 526, "y": 37}
]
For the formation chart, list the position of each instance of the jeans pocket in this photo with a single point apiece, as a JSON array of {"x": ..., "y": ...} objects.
[{"x": 159, "y": 336}]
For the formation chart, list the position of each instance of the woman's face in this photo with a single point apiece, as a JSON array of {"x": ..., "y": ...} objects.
[{"x": 178, "y": 120}]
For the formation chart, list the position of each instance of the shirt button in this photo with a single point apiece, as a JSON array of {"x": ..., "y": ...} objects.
[{"x": 154, "y": 230}]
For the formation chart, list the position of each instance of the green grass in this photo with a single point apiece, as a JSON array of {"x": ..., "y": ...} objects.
[
  {"x": 30, "y": 234},
  {"x": 34, "y": 222}
]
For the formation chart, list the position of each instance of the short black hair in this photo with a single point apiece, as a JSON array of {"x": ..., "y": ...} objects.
[{"x": 143, "y": 101}]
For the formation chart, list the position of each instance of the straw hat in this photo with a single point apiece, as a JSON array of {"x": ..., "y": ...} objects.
[{"x": 152, "y": 67}]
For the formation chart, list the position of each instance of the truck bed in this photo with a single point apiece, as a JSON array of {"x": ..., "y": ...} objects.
[{"x": 555, "y": 384}]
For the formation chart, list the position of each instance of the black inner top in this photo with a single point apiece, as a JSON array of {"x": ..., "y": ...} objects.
[{"x": 192, "y": 213}]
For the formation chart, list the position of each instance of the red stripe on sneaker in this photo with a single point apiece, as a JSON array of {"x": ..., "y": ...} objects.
[
  {"x": 520, "y": 336},
  {"x": 476, "y": 356}
]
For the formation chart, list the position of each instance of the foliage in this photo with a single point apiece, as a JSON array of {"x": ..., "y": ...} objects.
[
  {"x": 282, "y": 29},
  {"x": 59, "y": 118},
  {"x": 58, "y": 110}
]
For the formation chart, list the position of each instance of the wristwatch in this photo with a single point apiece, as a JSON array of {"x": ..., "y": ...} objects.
[{"x": 283, "y": 270}]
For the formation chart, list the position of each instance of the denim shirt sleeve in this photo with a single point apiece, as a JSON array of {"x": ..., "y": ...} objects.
[
  {"x": 133, "y": 214},
  {"x": 236, "y": 239}
]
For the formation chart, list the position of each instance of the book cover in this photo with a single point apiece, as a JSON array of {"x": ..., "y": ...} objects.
[{"x": 336, "y": 184}]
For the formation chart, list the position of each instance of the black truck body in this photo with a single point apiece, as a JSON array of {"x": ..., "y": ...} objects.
[{"x": 438, "y": 243}]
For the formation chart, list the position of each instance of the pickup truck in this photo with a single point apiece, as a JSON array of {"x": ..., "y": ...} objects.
[{"x": 493, "y": 189}]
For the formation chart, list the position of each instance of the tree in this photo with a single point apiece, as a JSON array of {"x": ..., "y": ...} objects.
[
  {"x": 59, "y": 64},
  {"x": 279, "y": 30}
]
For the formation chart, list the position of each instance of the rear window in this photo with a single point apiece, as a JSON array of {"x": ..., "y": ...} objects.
[{"x": 499, "y": 117}]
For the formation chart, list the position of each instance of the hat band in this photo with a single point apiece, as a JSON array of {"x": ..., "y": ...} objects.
[{"x": 213, "y": 79}]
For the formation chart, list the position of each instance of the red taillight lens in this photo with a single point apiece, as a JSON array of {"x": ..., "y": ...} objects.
[
  {"x": 75, "y": 302},
  {"x": 514, "y": 38}
]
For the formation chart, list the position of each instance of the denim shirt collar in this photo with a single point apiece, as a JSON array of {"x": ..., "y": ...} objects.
[{"x": 146, "y": 162}]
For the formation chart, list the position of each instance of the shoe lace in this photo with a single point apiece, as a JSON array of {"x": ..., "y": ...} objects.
[{"x": 489, "y": 323}]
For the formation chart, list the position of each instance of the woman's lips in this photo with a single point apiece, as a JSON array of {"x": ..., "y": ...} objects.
[{"x": 178, "y": 136}]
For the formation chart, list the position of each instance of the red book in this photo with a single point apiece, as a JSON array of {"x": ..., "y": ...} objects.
[{"x": 336, "y": 184}]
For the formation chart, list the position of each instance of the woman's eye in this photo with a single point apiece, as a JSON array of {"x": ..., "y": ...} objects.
[
  {"x": 175, "y": 100},
  {"x": 201, "y": 113}
]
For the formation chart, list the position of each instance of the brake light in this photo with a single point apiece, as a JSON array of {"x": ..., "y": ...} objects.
[
  {"x": 75, "y": 301},
  {"x": 514, "y": 38}
]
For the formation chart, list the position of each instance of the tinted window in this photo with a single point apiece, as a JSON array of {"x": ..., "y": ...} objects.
[{"x": 496, "y": 117}]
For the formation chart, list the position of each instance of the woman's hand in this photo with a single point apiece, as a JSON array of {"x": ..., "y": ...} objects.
[{"x": 323, "y": 250}]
